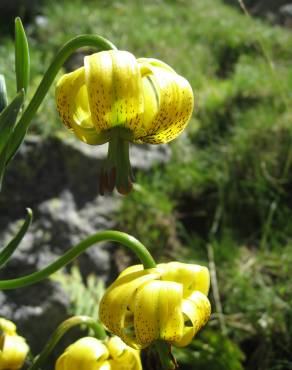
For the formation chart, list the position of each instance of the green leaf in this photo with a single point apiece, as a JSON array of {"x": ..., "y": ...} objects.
[
  {"x": 3, "y": 93},
  {"x": 22, "y": 60},
  {"x": 7, "y": 119},
  {"x": 9, "y": 249},
  {"x": 7, "y": 123}
]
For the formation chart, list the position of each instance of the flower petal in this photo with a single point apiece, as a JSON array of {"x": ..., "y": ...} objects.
[
  {"x": 124, "y": 357},
  {"x": 116, "y": 306},
  {"x": 72, "y": 104},
  {"x": 114, "y": 89},
  {"x": 86, "y": 353},
  {"x": 7, "y": 326},
  {"x": 13, "y": 351},
  {"x": 176, "y": 102},
  {"x": 193, "y": 277},
  {"x": 157, "y": 313},
  {"x": 197, "y": 310}
]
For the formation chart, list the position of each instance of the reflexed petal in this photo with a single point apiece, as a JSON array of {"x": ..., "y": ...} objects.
[
  {"x": 87, "y": 353},
  {"x": 151, "y": 104},
  {"x": 197, "y": 311},
  {"x": 193, "y": 277},
  {"x": 116, "y": 306},
  {"x": 114, "y": 90},
  {"x": 72, "y": 104},
  {"x": 176, "y": 102},
  {"x": 158, "y": 313}
]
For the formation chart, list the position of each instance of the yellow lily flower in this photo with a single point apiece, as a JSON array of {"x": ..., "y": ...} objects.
[
  {"x": 13, "y": 348},
  {"x": 91, "y": 354},
  {"x": 117, "y": 98},
  {"x": 166, "y": 303}
]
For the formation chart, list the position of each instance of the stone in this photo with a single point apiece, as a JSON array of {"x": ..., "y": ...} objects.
[{"x": 58, "y": 178}]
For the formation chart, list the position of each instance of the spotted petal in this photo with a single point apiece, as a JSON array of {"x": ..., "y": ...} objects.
[
  {"x": 197, "y": 311},
  {"x": 114, "y": 90},
  {"x": 72, "y": 104},
  {"x": 157, "y": 313},
  {"x": 116, "y": 307},
  {"x": 168, "y": 99}
]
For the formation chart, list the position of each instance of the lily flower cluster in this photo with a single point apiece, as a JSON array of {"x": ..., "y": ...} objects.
[
  {"x": 117, "y": 98},
  {"x": 89, "y": 353},
  {"x": 167, "y": 303},
  {"x": 13, "y": 348}
]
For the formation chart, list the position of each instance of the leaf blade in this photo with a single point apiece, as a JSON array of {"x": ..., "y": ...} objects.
[{"x": 22, "y": 58}]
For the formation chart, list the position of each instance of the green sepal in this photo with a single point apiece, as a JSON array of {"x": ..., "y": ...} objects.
[
  {"x": 7, "y": 123},
  {"x": 22, "y": 59},
  {"x": 9, "y": 249},
  {"x": 3, "y": 93}
]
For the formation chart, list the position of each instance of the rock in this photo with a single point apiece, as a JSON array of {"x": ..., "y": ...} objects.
[{"x": 58, "y": 179}]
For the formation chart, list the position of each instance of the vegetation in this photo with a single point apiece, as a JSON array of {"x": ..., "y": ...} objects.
[{"x": 225, "y": 196}]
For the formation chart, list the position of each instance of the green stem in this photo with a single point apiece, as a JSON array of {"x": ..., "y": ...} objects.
[
  {"x": 111, "y": 235},
  {"x": 117, "y": 171},
  {"x": 61, "y": 331},
  {"x": 63, "y": 54},
  {"x": 9, "y": 249},
  {"x": 166, "y": 359}
]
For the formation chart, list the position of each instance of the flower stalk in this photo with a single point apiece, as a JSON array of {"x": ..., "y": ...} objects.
[
  {"x": 60, "y": 58},
  {"x": 110, "y": 235}
]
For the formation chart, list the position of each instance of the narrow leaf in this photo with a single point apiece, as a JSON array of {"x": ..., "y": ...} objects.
[
  {"x": 9, "y": 249},
  {"x": 3, "y": 93},
  {"x": 8, "y": 118},
  {"x": 3, "y": 158},
  {"x": 7, "y": 123},
  {"x": 22, "y": 60}
]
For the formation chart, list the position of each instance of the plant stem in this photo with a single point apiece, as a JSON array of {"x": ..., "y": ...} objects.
[
  {"x": 9, "y": 249},
  {"x": 62, "y": 55},
  {"x": 110, "y": 235},
  {"x": 61, "y": 331}
]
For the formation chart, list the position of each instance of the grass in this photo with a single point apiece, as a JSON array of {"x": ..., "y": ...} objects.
[{"x": 229, "y": 179}]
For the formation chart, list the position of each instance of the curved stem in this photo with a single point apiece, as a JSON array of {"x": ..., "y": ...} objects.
[
  {"x": 62, "y": 55},
  {"x": 9, "y": 249},
  {"x": 61, "y": 331},
  {"x": 111, "y": 235}
]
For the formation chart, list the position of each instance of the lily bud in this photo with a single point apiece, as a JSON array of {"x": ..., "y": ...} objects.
[{"x": 89, "y": 353}]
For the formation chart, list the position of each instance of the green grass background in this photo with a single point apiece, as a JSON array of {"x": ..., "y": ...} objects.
[{"x": 227, "y": 188}]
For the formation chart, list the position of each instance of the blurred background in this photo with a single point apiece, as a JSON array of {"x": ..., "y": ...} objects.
[{"x": 220, "y": 195}]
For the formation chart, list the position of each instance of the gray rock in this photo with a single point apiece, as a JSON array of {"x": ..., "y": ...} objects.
[{"x": 58, "y": 179}]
